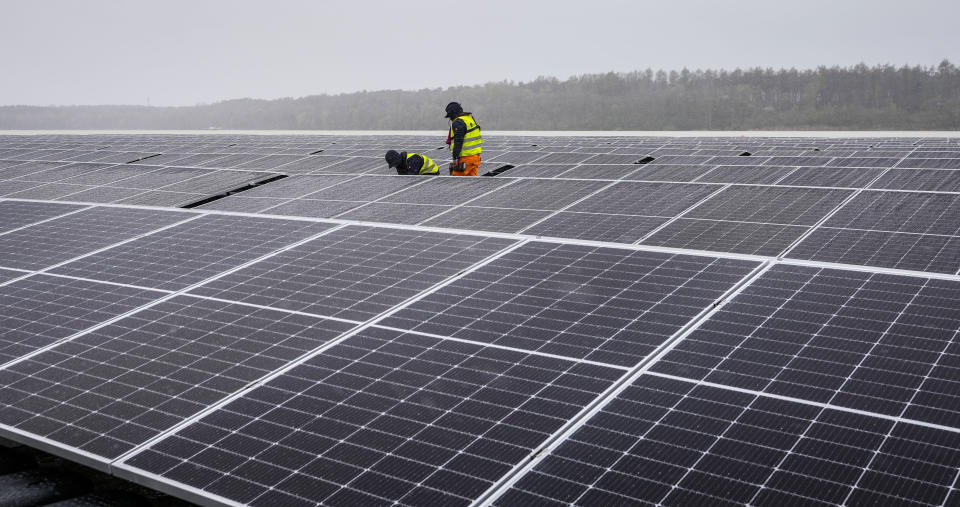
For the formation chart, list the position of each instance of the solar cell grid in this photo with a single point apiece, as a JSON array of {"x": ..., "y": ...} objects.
[
  {"x": 396, "y": 213},
  {"x": 766, "y": 175},
  {"x": 448, "y": 191},
  {"x": 160, "y": 178},
  {"x": 668, "y": 172},
  {"x": 383, "y": 416},
  {"x": 487, "y": 219},
  {"x": 16, "y": 214},
  {"x": 596, "y": 226},
  {"x": 102, "y": 194},
  {"x": 603, "y": 304},
  {"x": 185, "y": 254},
  {"x": 919, "y": 179},
  {"x": 539, "y": 194},
  {"x": 311, "y": 208},
  {"x": 775, "y": 205},
  {"x": 517, "y": 157},
  {"x": 355, "y": 272},
  {"x": 727, "y": 236},
  {"x": 243, "y": 204},
  {"x": 668, "y": 442},
  {"x": 41, "y": 309},
  {"x": 930, "y": 163},
  {"x": 47, "y": 191},
  {"x": 831, "y": 177},
  {"x": 919, "y": 212},
  {"x": 366, "y": 188},
  {"x": 911, "y": 251},
  {"x": 880, "y": 343},
  {"x": 22, "y": 171},
  {"x": 114, "y": 388},
  {"x": 651, "y": 199},
  {"x": 48, "y": 243}
]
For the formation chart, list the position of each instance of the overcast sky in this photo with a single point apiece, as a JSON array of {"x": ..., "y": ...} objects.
[{"x": 184, "y": 52}]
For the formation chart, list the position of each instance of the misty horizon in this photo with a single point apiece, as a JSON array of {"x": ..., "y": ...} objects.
[{"x": 180, "y": 53}]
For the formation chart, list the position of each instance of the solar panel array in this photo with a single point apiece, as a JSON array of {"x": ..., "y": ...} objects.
[{"x": 610, "y": 321}]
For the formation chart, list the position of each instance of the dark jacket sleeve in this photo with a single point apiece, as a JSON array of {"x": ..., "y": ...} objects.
[
  {"x": 414, "y": 164},
  {"x": 459, "y": 131}
]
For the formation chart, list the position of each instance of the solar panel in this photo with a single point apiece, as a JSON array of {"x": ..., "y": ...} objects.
[
  {"x": 312, "y": 208},
  {"x": 243, "y": 204},
  {"x": 518, "y": 157},
  {"x": 48, "y": 243},
  {"x": 185, "y": 254},
  {"x": 63, "y": 172},
  {"x": 23, "y": 171},
  {"x": 382, "y": 416},
  {"x": 41, "y": 309},
  {"x": 156, "y": 179},
  {"x": 668, "y": 172},
  {"x": 780, "y": 205},
  {"x": 487, "y": 219},
  {"x": 868, "y": 341},
  {"x": 597, "y": 171},
  {"x": 388, "y": 212},
  {"x": 6, "y": 275},
  {"x": 563, "y": 158},
  {"x": 864, "y": 162},
  {"x": 294, "y": 186},
  {"x": 595, "y": 226},
  {"x": 930, "y": 163},
  {"x": 601, "y": 304},
  {"x": 116, "y": 387},
  {"x": 16, "y": 214},
  {"x": 48, "y": 191},
  {"x": 669, "y": 442},
  {"x": 746, "y": 174},
  {"x": 651, "y": 199},
  {"x": 102, "y": 194},
  {"x": 355, "y": 272},
  {"x": 727, "y": 236},
  {"x": 919, "y": 179},
  {"x": 448, "y": 191},
  {"x": 366, "y": 188},
  {"x": 830, "y": 177},
  {"x": 539, "y": 194},
  {"x": 919, "y": 252},
  {"x": 106, "y": 174}
]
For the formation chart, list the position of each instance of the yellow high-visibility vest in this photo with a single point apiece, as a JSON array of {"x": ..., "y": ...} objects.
[
  {"x": 428, "y": 167},
  {"x": 472, "y": 141}
]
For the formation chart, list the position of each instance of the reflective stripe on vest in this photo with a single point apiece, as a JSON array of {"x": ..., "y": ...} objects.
[
  {"x": 472, "y": 141},
  {"x": 428, "y": 167}
]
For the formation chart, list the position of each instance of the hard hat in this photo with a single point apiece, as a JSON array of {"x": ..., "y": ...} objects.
[
  {"x": 453, "y": 110},
  {"x": 393, "y": 158}
]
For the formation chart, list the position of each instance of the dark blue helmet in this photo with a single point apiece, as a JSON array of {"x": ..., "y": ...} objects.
[
  {"x": 453, "y": 110},
  {"x": 393, "y": 158}
]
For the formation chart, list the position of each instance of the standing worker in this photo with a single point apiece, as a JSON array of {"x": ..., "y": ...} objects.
[
  {"x": 464, "y": 140},
  {"x": 411, "y": 163}
]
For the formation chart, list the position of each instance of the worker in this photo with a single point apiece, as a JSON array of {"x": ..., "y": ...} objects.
[
  {"x": 464, "y": 140},
  {"x": 411, "y": 163}
]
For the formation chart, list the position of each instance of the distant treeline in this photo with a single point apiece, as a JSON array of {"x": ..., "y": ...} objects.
[{"x": 859, "y": 97}]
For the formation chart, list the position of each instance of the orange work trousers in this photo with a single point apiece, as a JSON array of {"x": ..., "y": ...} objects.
[{"x": 470, "y": 166}]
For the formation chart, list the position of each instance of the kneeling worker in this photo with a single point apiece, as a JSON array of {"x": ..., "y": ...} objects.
[
  {"x": 411, "y": 163},
  {"x": 464, "y": 140}
]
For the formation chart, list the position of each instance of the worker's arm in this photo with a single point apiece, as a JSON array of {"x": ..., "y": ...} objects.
[
  {"x": 459, "y": 131},
  {"x": 414, "y": 164}
]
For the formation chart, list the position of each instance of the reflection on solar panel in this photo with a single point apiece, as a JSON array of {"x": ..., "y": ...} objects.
[
  {"x": 670, "y": 442},
  {"x": 355, "y": 272},
  {"x": 16, "y": 214},
  {"x": 382, "y": 416},
  {"x": 601, "y": 304},
  {"x": 116, "y": 387},
  {"x": 874, "y": 342},
  {"x": 272, "y": 358},
  {"x": 187, "y": 253},
  {"x": 47, "y": 243},
  {"x": 40, "y": 310}
]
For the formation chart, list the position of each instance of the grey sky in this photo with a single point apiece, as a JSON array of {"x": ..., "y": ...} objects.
[{"x": 178, "y": 52}]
